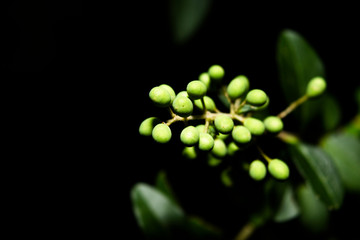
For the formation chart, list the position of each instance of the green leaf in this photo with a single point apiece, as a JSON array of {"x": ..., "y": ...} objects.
[
  {"x": 345, "y": 152},
  {"x": 318, "y": 169},
  {"x": 199, "y": 229},
  {"x": 314, "y": 214},
  {"x": 156, "y": 214},
  {"x": 288, "y": 208},
  {"x": 186, "y": 17},
  {"x": 331, "y": 112},
  {"x": 297, "y": 64},
  {"x": 163, "y": 185}
]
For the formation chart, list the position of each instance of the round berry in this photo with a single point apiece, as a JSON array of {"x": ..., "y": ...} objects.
[
  {"x": 255, "y": 126},
  {"x": 315, "y": 87},
  {"x": 160, "y": 97},
  {"x": 182, "y": 106},
  {"x": 211, "y": 129},
  {"x": 278, "y": 169},
  {"x": 196, "y": 89},
  {"x": 161, "y": 133},
  {"x": 148, "y": 125},
  {"x": 216, "y": 72},
  {"x": 219, "y": 149},
  {"x": 206, "y": 142},
  {"x": 189, "y": 152},
  {"x": 170, "y": 90},
  {"x": 189, "y": 136},
  {"x": 209, "y": 104},
  {"x": 232, "y": 148},
  {"x": 224, "y": 123},
  {"x": 237, "y": 87},
  {"x": 205, "y": 79},
  {"x": 256, "y": 97},
  {"x": 213, "y": 161},
  {"x": 241, "y": 134},
  {"x": 257, "y": 170},
  {"x": 273, "y": 124}
]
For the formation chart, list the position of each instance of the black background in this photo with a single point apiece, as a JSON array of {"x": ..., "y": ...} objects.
[{"x": 89, "y": 75}]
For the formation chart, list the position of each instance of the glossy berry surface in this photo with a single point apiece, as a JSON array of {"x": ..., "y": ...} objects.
[
  {"x": 148, "y": 125},
  {"x": 219, "y": 149},
  {"x": 255, "y": 126},
  {"x": 224, "y": 123},
  {"x": 160, "y": 97},
  {"x": 238, "y": 87},
  {"x": 216, "y": 72},
  {"x": 278, "y": 169},
  {"x": 241, "y": 134},
  {"x": 273, "y": 124},
  {"x": 161, "y": 133},
  {"x": 182, "y": 106},
  {"x": 189, "y": 136},
  {"x": 256, "y": 97},
  {"x": 196, "y": 89},
  {"x": 206, "y": 142},
  {"x": 257, "y": 170},
  {"x": 315, "y": 87}
]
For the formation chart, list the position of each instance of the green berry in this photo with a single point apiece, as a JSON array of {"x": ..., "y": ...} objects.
[
  {"x": 160, "y": 97},
  {"x": 205, "y": 78},
  {"x": 241, "y": 134},
  {"x": 189, "y": 152},
  {"x": 209, "y": 103},
  {"x": 213, "y": 161},
  {"x": 315, "y": 87},
  {"x": 273, "y": 124},
  {"x": 278, "y": 169},
  {"x": 237, "y": 87},
  {"x": 232, "y": 148},
  {"x": 257, "y": 170},
  {"x": 256, "y": 97},
  {"x": 161, "y": 133},
  {"x": 196, "y": 89},
  {"x": 224, "y": 123},
  {"x": 216, "y": 72},
  {"x": 182, "y": 106},
  {"x": 183, "y": 94},
  {"x": 189, "y": 136},
  {"x": 211, "y": 129},
  {"x": 148, "y": 125},
  {"x": 206, "y": 142},
  {"x": 255, "y": 126},
  {"x": 170, "y": 90},
  {"x": 219, "y": 149}
]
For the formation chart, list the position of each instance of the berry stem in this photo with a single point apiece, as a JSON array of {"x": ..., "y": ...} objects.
[
  {"x": 203, "y": 103},
  {"x": 266, "y": 157},
  {"x": 293, "y": 106}
]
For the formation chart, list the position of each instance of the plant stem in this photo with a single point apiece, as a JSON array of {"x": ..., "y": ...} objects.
[
  {"x": 246, "y": 231},
  {"x": 293, "y": 106},
  {"x": 266, "y": 157}
]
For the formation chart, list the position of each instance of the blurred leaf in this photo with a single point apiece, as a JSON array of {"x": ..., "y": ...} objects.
[
  {"x": 353, "y": 128},
  {"x": 314, "y": 214},
  {"x": 319, "y": 170},
  {"x": 297, "y": 64},
  {"x": 345, "y": 152},
  {"x": 156, "y": 214},
  {"x": 186, "y": 17},
  {"x": 288, "y": 208},
  {"x": 331, "y": 113},
  {"x": 199, "y": 229},
  {"x": 163, "y": 185}
]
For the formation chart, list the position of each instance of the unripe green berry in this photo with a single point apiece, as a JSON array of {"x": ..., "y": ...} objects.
[
  {"x": 216, "y": 72},
  {"x": 211, "y": 129},
  {"x": 209, "y": 103},
  {"x": 206, "y": 142},
  {"x": 219, "y": 149},
  {"x": 182, "y": 94},
  {"x": 237, "y": 87},
  {"x": 255, "y": 126},
  {"x": 205, "y": 78},
  {"x": 189, "y": 152},
  {"x": 315, "y": 87},
  {"x": 278, "y": 169},
  {"x": 224, "y": 123},
  {"x": 147, "y": 126},
  {"x": 170, "y": 90},
  {"x": 213, "y": 161},
  {"x": 273, "y": 124},
  {"x": 182, "y": 106},
  {"x": 257, "y": 170},
  {"x": 189, "y": 136},
  {"x": 241, "y": 134},
  {"x": 196, "y": 89},
  {"x": 232, "y": 148},
  {"x": 161, "y": 133},
  {"x": 160, "y": 97},
  {"x": 256, "y": 97}
]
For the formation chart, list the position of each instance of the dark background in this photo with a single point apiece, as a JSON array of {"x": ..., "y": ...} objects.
[{"x": 90, "y": 74}]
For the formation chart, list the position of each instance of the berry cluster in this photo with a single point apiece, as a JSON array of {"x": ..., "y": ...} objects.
[{"x": 221, "y": 133}]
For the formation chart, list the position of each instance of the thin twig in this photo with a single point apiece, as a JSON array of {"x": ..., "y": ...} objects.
[{"x": 293, "y": 106}]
